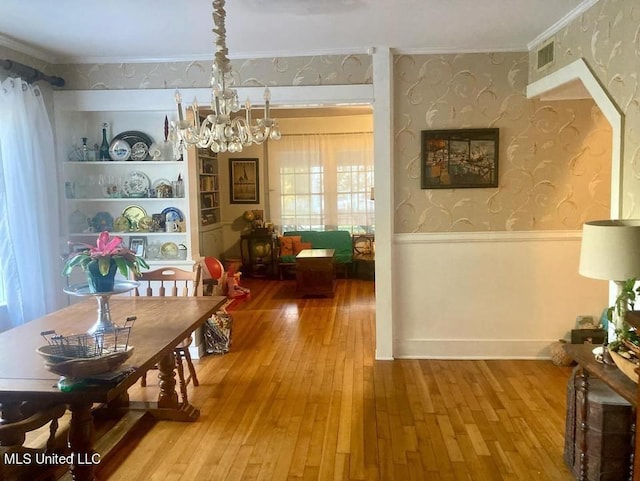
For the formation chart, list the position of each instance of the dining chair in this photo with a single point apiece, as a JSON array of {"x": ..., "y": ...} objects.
[
  {"x": 25, "y": 418},
  {"x": 172, "y": 281}
]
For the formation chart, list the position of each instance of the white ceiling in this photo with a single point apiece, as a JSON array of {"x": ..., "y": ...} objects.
[{"x": 163, "y": 30}]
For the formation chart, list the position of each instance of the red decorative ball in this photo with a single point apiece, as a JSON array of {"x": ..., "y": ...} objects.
[{"x": 215, "y": 267}]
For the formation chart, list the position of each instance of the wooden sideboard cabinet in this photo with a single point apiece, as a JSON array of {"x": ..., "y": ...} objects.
[{"x": 590, "y": 455}]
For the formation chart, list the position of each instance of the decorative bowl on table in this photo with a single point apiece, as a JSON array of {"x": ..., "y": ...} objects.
[
  {"x": 80, "y": 367},
  {"x": 633, "y": 319},
  {"x": 625, "y": 364}
]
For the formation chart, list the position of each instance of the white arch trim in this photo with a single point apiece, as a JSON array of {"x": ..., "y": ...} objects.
[{"x": 571, "y": 81}]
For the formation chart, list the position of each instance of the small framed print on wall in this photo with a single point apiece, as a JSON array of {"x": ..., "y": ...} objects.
[
  {"x": 464, "y": 158},
  {"x": 244, "y": 185}
]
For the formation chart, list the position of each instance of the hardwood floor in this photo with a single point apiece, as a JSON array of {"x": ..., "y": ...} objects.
[{"x": 300, "y": 397}]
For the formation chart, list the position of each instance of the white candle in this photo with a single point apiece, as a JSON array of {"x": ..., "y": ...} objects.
[
  {"x": 179, "y": 102},
  {"x": 267, "y": 98}
]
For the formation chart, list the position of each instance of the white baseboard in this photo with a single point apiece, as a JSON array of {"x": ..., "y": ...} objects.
[{"x": 473, "y": 348}]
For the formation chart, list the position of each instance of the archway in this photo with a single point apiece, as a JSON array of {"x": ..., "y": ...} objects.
[{"x": 574, "y": 81}]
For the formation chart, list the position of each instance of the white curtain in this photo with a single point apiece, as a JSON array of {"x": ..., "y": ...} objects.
[
  {"x": 322, "y": 182},
  {"x": 29, "y": 204}
]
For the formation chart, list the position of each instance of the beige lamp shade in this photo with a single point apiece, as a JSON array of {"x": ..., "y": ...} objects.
[{"x": 610, "y": 250}]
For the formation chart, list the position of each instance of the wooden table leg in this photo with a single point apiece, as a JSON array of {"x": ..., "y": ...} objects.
[
  {"x": 168, "y": 397},
  {"x": 168, "y": 406},
  {"x": 81, "y": 442}
]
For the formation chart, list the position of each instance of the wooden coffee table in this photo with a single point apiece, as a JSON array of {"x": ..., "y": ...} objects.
[{"x": 315, "y": 272}]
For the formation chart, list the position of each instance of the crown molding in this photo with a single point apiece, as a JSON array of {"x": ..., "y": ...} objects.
[
  {"x": 458, "y": 50},
  {"x": 26, "y": 49},
  {"x": 202, "y": 57},
  {"x": 560, "y": 24}
]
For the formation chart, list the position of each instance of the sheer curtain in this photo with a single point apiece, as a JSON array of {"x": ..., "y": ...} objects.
[
  {"x": 322, "y": 182},
  {"x": 29, "y": 204}
]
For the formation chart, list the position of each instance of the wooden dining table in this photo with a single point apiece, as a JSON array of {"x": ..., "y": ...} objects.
[{"x": 161, "y": 324}]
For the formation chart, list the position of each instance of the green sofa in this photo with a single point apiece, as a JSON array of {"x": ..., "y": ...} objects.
[{"x": 338, "y": 240}]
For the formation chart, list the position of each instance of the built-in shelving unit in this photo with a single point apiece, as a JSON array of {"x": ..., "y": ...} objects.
[
  {"x": 94, "y": 190},
  {"x": 205, "y": 181},
  {"x": 209, "y": 188},
  {"x": 94, "y": 194}
]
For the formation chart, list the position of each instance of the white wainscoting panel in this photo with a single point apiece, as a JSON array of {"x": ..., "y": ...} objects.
[{"x": 488, "y": 295}]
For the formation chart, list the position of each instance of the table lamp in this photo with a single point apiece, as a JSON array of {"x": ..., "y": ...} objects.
[{"x": 611, "y": 251}]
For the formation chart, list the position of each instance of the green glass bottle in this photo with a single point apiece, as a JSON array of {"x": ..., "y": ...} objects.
[{"x": 104, "y": 147}]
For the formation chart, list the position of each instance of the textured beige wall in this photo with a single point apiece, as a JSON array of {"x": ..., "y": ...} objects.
[
  {"x": 554, "y": 158},
  {"x": 607, "y": 37},
  {"x": 320, "y": 70}
]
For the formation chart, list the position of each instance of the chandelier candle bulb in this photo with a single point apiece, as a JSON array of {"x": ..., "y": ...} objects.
[
  {"x": 267, "y": 98},
  {"x": 196, "y": 113},
  {"x": 179, "y": 102},
  {"x": 216, "y": 96}
]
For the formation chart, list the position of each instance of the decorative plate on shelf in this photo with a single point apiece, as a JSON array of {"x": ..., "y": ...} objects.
[
  {"x": 133, "y": 137},
  {"x": 172, "y": 214},
  {"x": 169, "y": 250},
  {"x": 139, "y": 151},
  {"x": 78, "y": 222},
  {"x": 122, "y": 224},
  {"x": 134, "y": 213},
  {"x": 137, "y": 184},
  {"x": 119, "y": 150},
  {"x": 102, "y": 221},
  {"x": 153, "y": 251},
  {"x": 145, "y": 223}
]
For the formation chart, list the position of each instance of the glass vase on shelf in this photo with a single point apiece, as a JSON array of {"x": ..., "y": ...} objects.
[{"x": 104, "y": 147}]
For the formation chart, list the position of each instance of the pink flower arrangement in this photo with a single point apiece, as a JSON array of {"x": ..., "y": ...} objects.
[{"x": 107, "y": 250}]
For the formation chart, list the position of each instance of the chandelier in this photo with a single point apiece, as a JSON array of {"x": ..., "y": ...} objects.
[{"x": 219, "y": 131}]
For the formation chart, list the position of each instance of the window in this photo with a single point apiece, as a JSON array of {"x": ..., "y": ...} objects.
[{"x": 322, "y": 182}]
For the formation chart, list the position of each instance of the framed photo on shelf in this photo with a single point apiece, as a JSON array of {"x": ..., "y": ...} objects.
[
  {"x": 138, "y": 245},
  {"x": 454, "y": 159},
  {"x": 244, "y": 185}
]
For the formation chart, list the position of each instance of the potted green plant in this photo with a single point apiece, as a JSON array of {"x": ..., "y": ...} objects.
[
  {"x": 624, "y": 308},
  {"x": 625, "y": 349},
  {"x": 100, "y": 262}
]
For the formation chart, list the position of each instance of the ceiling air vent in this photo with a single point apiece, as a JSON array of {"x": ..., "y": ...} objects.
[{"x": 546, "y": 55}]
